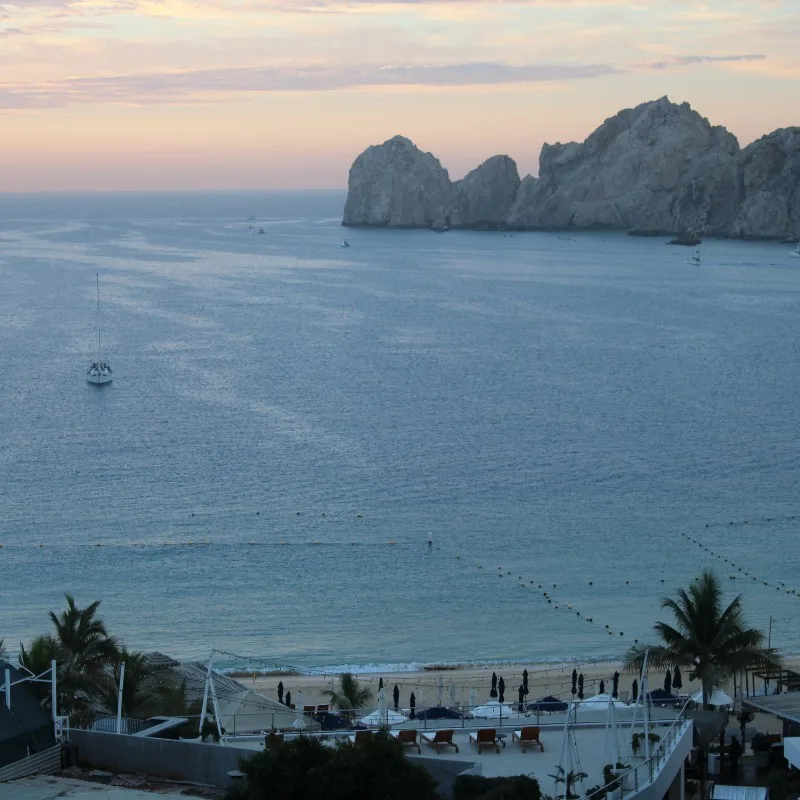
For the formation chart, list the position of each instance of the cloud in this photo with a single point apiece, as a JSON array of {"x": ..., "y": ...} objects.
[{"x": 212, "y": 84}]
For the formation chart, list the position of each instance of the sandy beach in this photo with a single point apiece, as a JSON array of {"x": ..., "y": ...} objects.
[{"x": 543, "y": 679}]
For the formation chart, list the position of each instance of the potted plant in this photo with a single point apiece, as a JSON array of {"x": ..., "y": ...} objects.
[
  {"x": 653, "y": 738},
  {"x": 626, "y": 776},
  {"x": 636, "y": 743},
  {"x": 596, "y": 793},
  {"x": 612, "y": 782},
  {"x": 569, "y": 779}
]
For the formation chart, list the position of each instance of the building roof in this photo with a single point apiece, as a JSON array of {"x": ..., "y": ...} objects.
[
  {"x": 49, "y": 787},
  {"x": 24, "y": 728},
  {"x": 784, "y": 706}
]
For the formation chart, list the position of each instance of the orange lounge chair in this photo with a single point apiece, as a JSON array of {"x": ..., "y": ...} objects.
[
  {"x": 485, "y": 737},
  {"x": 528, "y": 737},
  {"x": 408, "y": 738},
  {"x": 441, "y": 739}
]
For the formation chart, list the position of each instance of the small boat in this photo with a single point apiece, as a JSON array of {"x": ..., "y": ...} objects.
[
  {"x": 345, "y": 243},
  {"x": 796, "y": 253},
  {"x": 260, "y": 231},
  {"x": 694, "y": 259},
  {"x": 99, "y": 372}
]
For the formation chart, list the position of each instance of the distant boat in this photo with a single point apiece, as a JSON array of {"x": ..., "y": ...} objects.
[
  {"x": 796, "y": 253},
  {"x": 345, "y": 243},
  {"x": 260, "y": 231},
  {"x": 251, "y": 218},
  {"x": 99, "y": 372},
  {"x": 694, "y": 259}
]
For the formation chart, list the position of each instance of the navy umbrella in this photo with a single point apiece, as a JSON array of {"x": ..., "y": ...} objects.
[
  {"x": 439, "y": 712},
  {"x": 493, "y": 693},
  {"x": 677, "y": 681},
  {"x": 501, "y": 688},
  {"x": 615, "y": 690},
  {"x": 521, "y": 693},
  {"x": 525, "y": 682},
  {"x": 280, "y": 691},
  {"x": 580, "y": 686},
  {"x": 396, "y": 697},
  {"x": 380, "y": 684},
  {"x": 549, "y": 703},
  {"x": 602, "y": 687},
  {"x": 634, "y": 690},
  {"x": 668, "y": 682},
  {"x": 574, "y": 681},
  {"x": 289, "y": 699},
  {"x": 412, "y": 702}
]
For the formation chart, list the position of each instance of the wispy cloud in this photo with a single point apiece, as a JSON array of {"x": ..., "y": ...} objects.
[{"x": 209, "y": 85}]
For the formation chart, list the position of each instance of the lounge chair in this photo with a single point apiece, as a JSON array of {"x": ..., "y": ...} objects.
[
  {"x": 308, "y": 711},
  {"x": 528, "y": 737},
  {"x": 323, "y": 708},
  {"x": 485, "y": 737},
  {"x": 408, "y": 738},
  {"x": 442, "y": 738}
]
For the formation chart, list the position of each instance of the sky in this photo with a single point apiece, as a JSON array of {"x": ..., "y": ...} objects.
[{"x": 127, "y": 95}]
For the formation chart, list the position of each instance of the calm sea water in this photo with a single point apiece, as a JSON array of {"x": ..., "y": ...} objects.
[{"x": 289, "y": 420}]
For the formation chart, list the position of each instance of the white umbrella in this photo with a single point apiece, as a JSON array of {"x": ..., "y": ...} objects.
[
  {"x": 375, "y": 719},
  {"x": 599, "y": 702},
  {"x": 492, "y": 710},
  {"x": 383, "y": 706},
  {"x": 300, "y": 721},
  {"x": 440, "y": 690},
  {"x": 452, "y": 694},
  {"x": 472, "y": 698},
  {"x": 718, "y": 698}
]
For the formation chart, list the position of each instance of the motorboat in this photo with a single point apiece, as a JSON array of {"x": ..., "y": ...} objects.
[
  {"x": 694, "y": 259},
  {"x": 345, "y": 243}
]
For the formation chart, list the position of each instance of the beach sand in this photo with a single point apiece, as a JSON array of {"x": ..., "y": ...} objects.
[{"x": 543, "y": 679}]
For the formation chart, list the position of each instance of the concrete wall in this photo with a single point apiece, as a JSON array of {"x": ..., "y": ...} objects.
[{"x": 163, "y": 758}]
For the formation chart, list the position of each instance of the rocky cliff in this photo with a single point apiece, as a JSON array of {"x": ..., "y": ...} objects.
[{"x": 658, "y": 168}]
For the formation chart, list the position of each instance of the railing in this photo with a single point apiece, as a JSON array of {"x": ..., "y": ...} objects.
[
  {"x": 644, "y": 773},
  {"x": 46, "y": 762},
  {"x": 109, "y": 725}
]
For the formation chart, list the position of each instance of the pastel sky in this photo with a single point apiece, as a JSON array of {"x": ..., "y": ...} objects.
[{"x": 250, "y": 94}]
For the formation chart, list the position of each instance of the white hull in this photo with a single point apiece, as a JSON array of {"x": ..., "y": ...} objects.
[{"x": 99, "y": 380}]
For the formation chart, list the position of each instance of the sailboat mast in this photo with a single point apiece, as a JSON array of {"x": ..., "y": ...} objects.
[{"x": 97, "y": 275}]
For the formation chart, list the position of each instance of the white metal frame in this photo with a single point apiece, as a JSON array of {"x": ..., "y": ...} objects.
[{"x": 60, "y": 723}]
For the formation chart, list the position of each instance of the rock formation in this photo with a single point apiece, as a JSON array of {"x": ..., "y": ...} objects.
[
  {"x": 770, "y": 169},
  {"x": 659, "y": 169},
  {"x": 483, "y": 198},
  {"x": 396, "y": 185}
]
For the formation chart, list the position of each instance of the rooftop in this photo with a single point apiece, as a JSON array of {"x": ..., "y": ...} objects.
[{"x": 50, "y": 787}]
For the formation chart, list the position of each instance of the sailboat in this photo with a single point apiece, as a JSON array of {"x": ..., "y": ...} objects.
[{"x": 99, "y": 372}]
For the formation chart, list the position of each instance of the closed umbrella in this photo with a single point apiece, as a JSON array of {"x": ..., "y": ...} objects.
[
  {"x": 574, "y": 682},
  {"x": 472, "y": 699},
  {"x": 580, "y": 686},
  {"x": 452, "y": 694},
  {"x": 493, "y": 693},
  {"x": 383, "y": 707},
  {"x": 602, "y": 687},
  {"x": 677, "y": 681},
  {"x": 412, "y": 702},
  {"x": 396, "y": 697},
  {"x": 280, "y": 691},
  {"x": 289, "y": 699},
  {"x": 525, "y": 682},
  {"x": 521, "y": 693},
  {"x": 634, "y": 690},
  {"x": 440, "y": 690},
  {"x": 501, "y": 688},
  {"x": 300, "y": 721},
  {"x": 668, "y": 682},
  {"x": 615, "y": 690},
  {"x": 380, "y": 684}
]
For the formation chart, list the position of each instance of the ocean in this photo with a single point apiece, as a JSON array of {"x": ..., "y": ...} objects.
[{"x": 290, "y": 420}]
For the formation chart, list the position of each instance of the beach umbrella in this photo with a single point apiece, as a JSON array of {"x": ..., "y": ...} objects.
[
  {"x": 501, "y": 688},
  {"x": 602, "y": 687},
  {"x": 472, "y": 698},
  {"x": 452, "y": 694},
  {"x": 383, "y": 707},
  {"x": 580, "y": 686},
  {"x": 492, "y": 710},
  {"x": 396, "y": 697},
  {"x": 668, "y": 682},
  {"x": 300, "y": 721},
  {"x": 289, "y": 699},
  {"x": 549, "y": 704},
  {"x": 412, "y": 702},
  {"x": 439, "y": 712},
  {"x": 574, "y": 681},
  {"x": 525, "y": 682},
  {"x": 440, "y": 690},
  {"x": 280, "y": 691},
  {"x": 380, "y": 684},
  {"x": 521, "y": 693},
  {"x": 634, "y": 690},
  {"x": 493, "y": 693},
  {"x": 677, "y": 681},
  {"x": 615, "y": 690}
]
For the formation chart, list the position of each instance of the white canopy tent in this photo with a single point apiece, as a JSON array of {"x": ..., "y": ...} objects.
[
  {"x": 718, "y": 698},
  {"x": 598, "y": 702},
  {"x": 492, "y": 710}
]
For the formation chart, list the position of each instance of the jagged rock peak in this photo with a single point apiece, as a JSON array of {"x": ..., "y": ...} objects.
[
  {"x": 397, "y": 185},
  {"x": 483, "y": 197}
]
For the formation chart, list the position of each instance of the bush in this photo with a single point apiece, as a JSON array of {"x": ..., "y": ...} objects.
[
  {"x": 516, "y": 787},
  {"x": 307, "y": 769},
  {"x": 596, "y": 793}
]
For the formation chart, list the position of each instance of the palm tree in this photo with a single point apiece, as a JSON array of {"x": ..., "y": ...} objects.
[
  {"x": 137, "y": 701},
  {"x": 351, "y": 693},
  {"x": 569, "y": 780},
  {"x": 712, "y": 642},
  {"x": 2, "y": 649}
]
